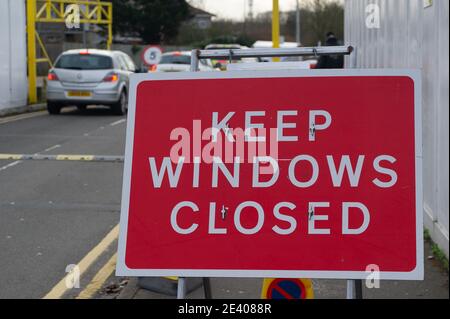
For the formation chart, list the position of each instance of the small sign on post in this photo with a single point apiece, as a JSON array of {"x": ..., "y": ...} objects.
[
  {"x": 151, "y": 55},
  {"x": 288, "y": 174},
  {"x": 287, "y": 289}
]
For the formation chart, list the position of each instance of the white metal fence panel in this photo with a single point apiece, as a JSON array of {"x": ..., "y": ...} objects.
[
  {"x": 430, "y": 78},
  {"x": 443, "y": 115},
  {"x": 13, "y": 67},
  {"x": 413, "y": 35}
]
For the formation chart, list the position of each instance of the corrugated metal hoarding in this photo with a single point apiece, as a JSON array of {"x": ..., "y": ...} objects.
[
  {"x": 13, "y": 67},
  {"x": 413, "y": 34}
]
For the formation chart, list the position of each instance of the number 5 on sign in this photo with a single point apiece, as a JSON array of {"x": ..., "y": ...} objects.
[{"x": 287, "y": 289}]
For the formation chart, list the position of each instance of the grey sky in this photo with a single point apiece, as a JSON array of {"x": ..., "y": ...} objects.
[{"x": 234, "y": 9}]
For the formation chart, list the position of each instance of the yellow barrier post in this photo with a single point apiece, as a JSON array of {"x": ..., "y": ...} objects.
[
  {"x": 53, "y": 11},
  {"x": 31, "y": 48},
  {"x": 276, "y": 27},
  {"x": 110, "y": 32}
]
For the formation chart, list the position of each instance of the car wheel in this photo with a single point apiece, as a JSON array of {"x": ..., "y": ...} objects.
[
  {"x": 53, "y": 108},
  {"x": 120, "y": 108}
]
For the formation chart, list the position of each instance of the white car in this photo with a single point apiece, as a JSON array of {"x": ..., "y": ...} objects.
[
  {"x": 87, "y": 77},
  {"x": 180, "y": 61}
]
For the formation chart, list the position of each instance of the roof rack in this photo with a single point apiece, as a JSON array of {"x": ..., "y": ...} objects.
[{"x": 261, "y": 53}]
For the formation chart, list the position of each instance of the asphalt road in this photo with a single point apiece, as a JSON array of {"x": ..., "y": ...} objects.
[{"x": 53, "y": 213}]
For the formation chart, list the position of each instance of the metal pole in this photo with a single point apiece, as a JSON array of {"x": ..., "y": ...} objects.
[
  {"x": 207, "y": 288},
  {"x": 245, "y": 17},
  {"x": 353, "y": 59},
  {"x": 350, "y": 289},
  {"x": 275, "y": 27},
  {"x": 358, "y": 289},
  {"x": 181, "y": 289},
  {"x": 31, "y": 41},
  {"x": 110, "y": 31},
  {"x": 354, "y": 289},
  {"x": 194, "y": 60},
  {"x": 250, "y": 53},
  {"x": 297, "y": 25},
  {"x": 84, "y": 36},
  {"x": 206, "y": 281}
]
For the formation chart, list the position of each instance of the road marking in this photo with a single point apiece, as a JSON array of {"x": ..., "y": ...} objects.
[
  {"x": 52, "y": 148},
  {"x": 19, "y": 156},
  {"x": 99, "y": 279},
  {"x": 22, "y": 117},
  {"x": 74, "y": 157},
  {"x": 9, "y": 165},
  {"x": 10, "y": 156},
  {"x": 117, "y": 122},
  {"x": 60, "y": 288},
  {"x": 63, "y": 157}
]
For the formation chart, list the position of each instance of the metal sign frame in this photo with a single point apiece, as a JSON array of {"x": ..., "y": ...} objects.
[
  {"x": 354, "y": 287},
  {"x": 265, "y": 53}
]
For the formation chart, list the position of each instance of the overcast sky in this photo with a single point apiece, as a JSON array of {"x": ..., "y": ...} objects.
[{"x": 234, "y": 9}]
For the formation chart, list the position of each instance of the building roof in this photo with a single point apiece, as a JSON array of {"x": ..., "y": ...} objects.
[{"x": 193, "y": 11}]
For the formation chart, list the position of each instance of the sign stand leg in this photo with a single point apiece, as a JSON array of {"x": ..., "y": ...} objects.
[
  {"x": 194, "y": 68},
  {"x": 354, "y": 289},
  {"x": 207, "y": 288},
  {"x": 358, "y": 290},
  {"x": 181, "y": 289},
  {"x": 350, "y": 289}
]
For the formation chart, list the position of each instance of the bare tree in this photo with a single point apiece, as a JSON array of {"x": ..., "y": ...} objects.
[{"x": 317, "y": 18}]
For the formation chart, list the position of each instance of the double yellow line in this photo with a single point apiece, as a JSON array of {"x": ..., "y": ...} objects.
[
  {"x": 10, "y": 119},
  {"x": 60, "y": 289}
]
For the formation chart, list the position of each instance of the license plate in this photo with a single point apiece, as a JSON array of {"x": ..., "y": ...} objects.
[{"x": 79, "y": 93}]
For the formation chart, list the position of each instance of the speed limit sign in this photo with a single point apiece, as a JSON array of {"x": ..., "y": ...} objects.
[{"x": 151, "y": 55}]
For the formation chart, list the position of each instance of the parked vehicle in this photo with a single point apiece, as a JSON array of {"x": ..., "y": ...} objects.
[
  {"x": 180, "y": 61},
  {"x": 90, "y": 77}
]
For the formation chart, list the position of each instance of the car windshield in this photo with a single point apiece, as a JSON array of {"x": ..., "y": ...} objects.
[
  {"x": 84, "y": 62},
  {"x": 175, "y": 59}
]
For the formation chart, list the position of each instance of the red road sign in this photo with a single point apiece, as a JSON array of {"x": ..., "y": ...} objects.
[
  {"x": 151, "y": 55},
  {"x": 333, "y": 192}
]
